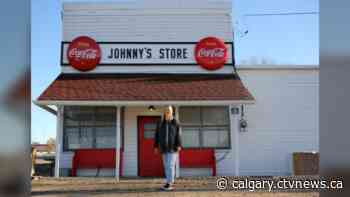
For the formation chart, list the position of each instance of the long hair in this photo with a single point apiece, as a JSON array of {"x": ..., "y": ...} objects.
[{"x": 173, "y": 114}]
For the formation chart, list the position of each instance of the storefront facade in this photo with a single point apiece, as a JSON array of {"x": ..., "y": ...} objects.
[{"x": 122, "y": 63}]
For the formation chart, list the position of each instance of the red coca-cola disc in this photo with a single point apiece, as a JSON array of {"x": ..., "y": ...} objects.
[
  {"x": 211, "y": 53},
  {"x": 84, "y": 53}
]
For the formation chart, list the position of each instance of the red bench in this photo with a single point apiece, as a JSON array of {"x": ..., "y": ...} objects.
[
  {"x": 198, "y": 158},
  {"x": 95, "y": 159}
]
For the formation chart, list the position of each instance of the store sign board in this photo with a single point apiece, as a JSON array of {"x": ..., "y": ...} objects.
[{"x": 157, "y": 53}]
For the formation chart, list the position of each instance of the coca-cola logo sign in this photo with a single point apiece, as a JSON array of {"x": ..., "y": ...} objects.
[
  {"x": 84, "y": 53},
  {"x": 211, "y": 53}
]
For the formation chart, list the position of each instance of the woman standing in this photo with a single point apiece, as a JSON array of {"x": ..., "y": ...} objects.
[{"x": 168, "y": 143}]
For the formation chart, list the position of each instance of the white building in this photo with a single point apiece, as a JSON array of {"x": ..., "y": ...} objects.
[{"x": 117, "y": 103}]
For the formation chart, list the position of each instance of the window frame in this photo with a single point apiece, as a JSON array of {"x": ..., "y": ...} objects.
[
  {"x": 122, "y": 127},
  {"x": 79, "y": 126},
  {"x": 203, "y": 125}
]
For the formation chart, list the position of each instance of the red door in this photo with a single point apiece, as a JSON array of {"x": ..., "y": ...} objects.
[{"x": 150, "y": 164}]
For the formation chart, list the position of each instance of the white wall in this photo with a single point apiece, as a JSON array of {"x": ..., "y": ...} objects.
[
  {"x": 227, "y": 160},
  {"x": 283, "y": 120},
  {"x": 188, "y": 172},
  {"x": 147, "y": 28},
  {"x": 142, "y": 5},
  {"x": 66, "y": 159},
  {"x": 103, "y": 172}
]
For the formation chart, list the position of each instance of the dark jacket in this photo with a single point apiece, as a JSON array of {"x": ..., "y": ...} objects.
[{"x": 167, "y": 140}]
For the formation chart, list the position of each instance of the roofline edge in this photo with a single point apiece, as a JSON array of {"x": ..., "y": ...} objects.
[{"x": 41, "y": 103}]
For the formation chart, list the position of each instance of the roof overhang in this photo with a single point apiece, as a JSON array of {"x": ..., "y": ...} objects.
[
  {"x": 143, "y": 103},
  {"x": 144, "y": 90},
  {"x": 45, "y": 107}
]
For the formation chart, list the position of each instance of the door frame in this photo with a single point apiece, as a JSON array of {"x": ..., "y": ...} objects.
[{"x": 138, "y": 139}]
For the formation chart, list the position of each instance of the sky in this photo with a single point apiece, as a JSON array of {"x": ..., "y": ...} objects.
[{"x": 273, "y": 39}]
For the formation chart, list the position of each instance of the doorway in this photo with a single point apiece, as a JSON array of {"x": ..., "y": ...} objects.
[{"x": 150, "y": 163}]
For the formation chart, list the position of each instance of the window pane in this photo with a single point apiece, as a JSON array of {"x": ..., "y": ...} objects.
[
  {"x": 106, "y": 110},
  {"x": 150, "y": 126},
  {"x": 149, "y": 134},
  {"x": 149, "y": 130},
  {"x": 105, "y": 116},
  {"x": 72, "y": 138},
  {"x": 86, "y": 116},
  {"x": 71, "y": 116},
  {"x": 86, "y": 137},
  {"x": 69, "y": 121},
  {"x": 190, "y": 137},
  {"x": 105, "y": 137},
  {"x": 94, "y": 127},
  {"x": 215, "y": 137},
  {"x": 189, "y": 115},
  {"x": 215, "y": 115},
  {"x": 75, "y": 116}
]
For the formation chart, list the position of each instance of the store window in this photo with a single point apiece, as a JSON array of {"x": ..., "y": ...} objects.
[
  {"x": 89, "y": 127},
  {"x": 205, "y": 127}
]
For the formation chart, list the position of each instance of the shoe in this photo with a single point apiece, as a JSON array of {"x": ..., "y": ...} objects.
[{"x": 167, "y": 187}]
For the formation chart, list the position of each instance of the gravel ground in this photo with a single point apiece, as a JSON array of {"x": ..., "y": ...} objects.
[{"x": 108, "y": 187}]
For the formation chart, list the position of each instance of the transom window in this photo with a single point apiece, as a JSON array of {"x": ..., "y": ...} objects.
[
  {"x": 89, "y": 127},
  {"x": 205, "y": 127}
]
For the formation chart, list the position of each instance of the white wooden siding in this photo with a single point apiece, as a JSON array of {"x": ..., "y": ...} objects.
[
  {"x": 66, "y": 159},
  {"x": 148, "y": 28},
  {"x": 188, "y": 172},
  {"x": 227, "y": 159},
  {"x": 225, "y": 167},
  {"x": 103, "y": 172},
  {"x": 179, "y": 6},
  {"x": 149, "y": 21},
  {"x": 283, "y": 120}
]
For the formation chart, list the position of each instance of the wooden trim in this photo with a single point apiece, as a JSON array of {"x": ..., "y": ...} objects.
[
  {"x": 160, "y": 69},
  {"x": 117, "y": 158},
  {"x": 47, "y": 108},
  {"x": 59, "y": 140},
  {"x": 144, "y": 103},
  {"x": 177, "y": 167},
  {"x": 234, "y": 127},
  {"x": 138, "y": 144}
]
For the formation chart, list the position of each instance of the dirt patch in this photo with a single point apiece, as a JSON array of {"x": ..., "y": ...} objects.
[{"x": 107, "y": 187}]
